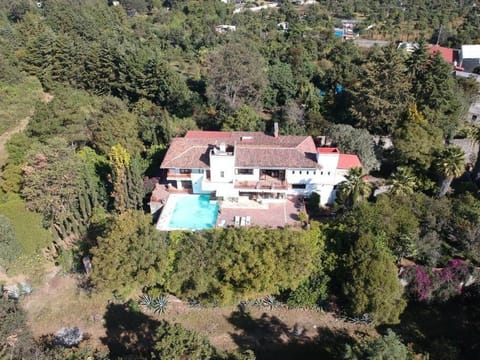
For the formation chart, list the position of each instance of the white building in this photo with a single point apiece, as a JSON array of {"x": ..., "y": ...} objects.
[
  {"x": 255, "y": 164},
  {"x": 470, "y": 57}
]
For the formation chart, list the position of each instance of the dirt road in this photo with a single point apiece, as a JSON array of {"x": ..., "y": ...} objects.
[{"x": 7, "y": 135}]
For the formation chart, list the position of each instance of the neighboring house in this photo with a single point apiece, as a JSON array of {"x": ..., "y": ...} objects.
[
  {"x": 222, "y": 29},
  {"x": 409, "y": 47},
  {"x": 451, "y": 56},
  {"x": 470, "y": 57},
  {"x": 254, "y": 164}
]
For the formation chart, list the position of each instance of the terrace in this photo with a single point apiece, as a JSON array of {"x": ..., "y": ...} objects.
[{"x": 273, "y": 215}]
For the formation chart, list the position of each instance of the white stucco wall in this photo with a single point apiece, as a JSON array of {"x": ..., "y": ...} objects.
[
  {"x": 219, "y": 164},
  {"x": 328, "y": 161},
  {"x": 301, "y": 176}
]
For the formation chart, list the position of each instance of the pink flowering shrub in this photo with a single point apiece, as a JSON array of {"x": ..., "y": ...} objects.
[{"x": 439, "y": 284}]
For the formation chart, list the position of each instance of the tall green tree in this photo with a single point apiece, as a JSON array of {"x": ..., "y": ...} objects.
[
  {"x": 235, "y": 264},
  {"x": 244, "y": 119},
  {"x": 60, "y": 185},
  {"x": 380, "y": 97},
  {"x": 131, "y": 253},
  {"x": 417, "y": 140},
  {"x": 115, "y": 125},
  {"x": 437, "y": 95},
  {"x": 371, "y": 285},
  {"x": 236, "y": 76},
  {"x": 351, "y": 140}
]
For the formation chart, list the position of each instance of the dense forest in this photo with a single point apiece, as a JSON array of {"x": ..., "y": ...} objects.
[{"x": 103, "y": 87}]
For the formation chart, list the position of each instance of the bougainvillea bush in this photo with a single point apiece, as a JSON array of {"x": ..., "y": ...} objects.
[{"x": 437, "y": 284}]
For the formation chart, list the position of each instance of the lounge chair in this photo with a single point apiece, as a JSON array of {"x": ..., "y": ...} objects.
[
  {"x": 243, "y": 221},
  {"x": 222, "y": 223},
  {"x": 237, "y": 221},
  {"x": 248, "y": 221}
]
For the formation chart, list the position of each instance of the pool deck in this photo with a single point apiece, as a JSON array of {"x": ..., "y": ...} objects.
[
  {"x": 167, "y": 211},
  {"x": 273, "y": 215}
]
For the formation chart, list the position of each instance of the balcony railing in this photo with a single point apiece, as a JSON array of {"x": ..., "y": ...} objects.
[
  {"x": 261, "y": 185},
  {"x": 177, "y": 175}
]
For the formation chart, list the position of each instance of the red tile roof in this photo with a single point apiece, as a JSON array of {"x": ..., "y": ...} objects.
[
  {"x": 194, "y": 134},
  {"x": 449, "y": 55},
  {"x": 252, "y": 149},
  {"x": 347, "y": 161}
]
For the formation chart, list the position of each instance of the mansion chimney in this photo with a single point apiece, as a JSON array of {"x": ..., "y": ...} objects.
[{"x": 275, "y": 129}]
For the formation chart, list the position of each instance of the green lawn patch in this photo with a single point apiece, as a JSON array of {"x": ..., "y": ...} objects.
[{"x": 27, "y": 225}]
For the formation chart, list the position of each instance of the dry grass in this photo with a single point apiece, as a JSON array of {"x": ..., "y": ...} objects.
[{"x": 59, "y": 302}]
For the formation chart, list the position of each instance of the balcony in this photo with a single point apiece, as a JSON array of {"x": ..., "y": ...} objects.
[
  {"x": 177, "y": 175},
  {"x": 262, "y": 185}
]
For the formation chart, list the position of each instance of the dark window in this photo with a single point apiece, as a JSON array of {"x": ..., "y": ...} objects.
[
  {"x": 222, "y": 174},
  {"x": 245, "y": 171},
  {"x": 185, "y": 171},
  {"x": 299, "y": 186}
]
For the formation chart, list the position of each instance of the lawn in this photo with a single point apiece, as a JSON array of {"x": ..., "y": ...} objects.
[{"x": 27, "y": 224}]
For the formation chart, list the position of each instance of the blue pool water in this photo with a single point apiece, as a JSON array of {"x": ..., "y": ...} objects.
[{"x": 194, "y": 212}]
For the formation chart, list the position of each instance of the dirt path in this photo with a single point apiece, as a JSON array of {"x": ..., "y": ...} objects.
[
  {"x": 7, "y": 135},
  {"x": 46, "y": 97}
]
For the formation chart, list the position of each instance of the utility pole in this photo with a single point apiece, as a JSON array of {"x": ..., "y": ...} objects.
[{"x": 439, "y": 33}]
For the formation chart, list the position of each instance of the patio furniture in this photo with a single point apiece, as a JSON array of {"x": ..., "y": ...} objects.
[
  {"x": 237, "y": 221},
  {"x": 243, "y": 221},
  {"x": 248, "y": 220},
  {"x": 222, "y": 223}
]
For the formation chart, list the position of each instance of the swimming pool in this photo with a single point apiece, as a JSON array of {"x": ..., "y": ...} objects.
[{"x": 191, "y": 212}]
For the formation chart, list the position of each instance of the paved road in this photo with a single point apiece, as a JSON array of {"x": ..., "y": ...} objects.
[{"x": 370, "y": 43}]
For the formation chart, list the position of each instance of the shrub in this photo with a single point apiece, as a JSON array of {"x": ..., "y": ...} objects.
[{"x": 69, "y": 336}]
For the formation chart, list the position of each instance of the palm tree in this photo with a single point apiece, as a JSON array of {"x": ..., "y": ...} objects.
[
  {"x": 449, "y": 164},
  {"x": 354, "y": 188},
  {"x": 402, "y": 182}
]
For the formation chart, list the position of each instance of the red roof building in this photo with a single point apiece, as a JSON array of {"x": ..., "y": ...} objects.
[
  {"x": 255, "y": 164},
  {"x": 451, "y": 56}
]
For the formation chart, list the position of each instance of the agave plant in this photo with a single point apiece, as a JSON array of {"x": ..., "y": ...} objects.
[
  {"x": 160, "y": 305},
  {"x": 271, "y": 302},
  {"x": 257, "y": 302},
  {"x": 146, "y": 300}
]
